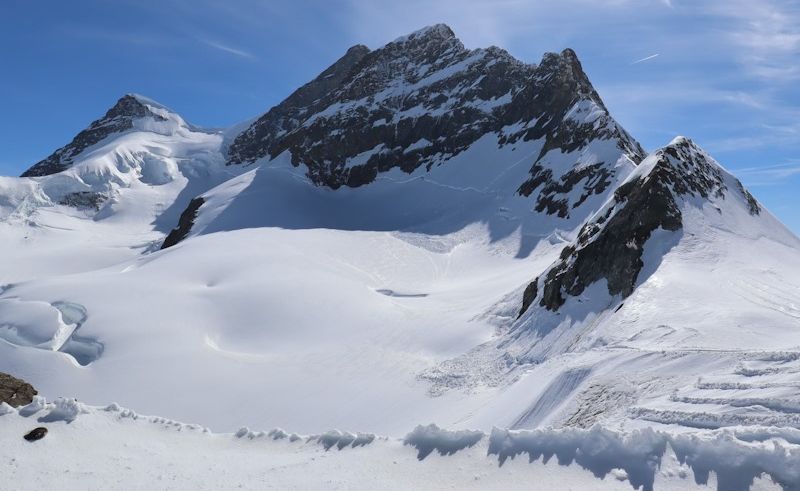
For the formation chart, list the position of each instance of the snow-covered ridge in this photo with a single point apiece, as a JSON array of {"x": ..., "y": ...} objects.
[{"x": 599, "y": 457}]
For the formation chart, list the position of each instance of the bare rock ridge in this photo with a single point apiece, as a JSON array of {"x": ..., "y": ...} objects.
[
  {"x": 15, "y": 392},
  {"x": 610, "y": 245},
  {"x": 422, "y": 99},
  {"x": 118, "y": 119}
]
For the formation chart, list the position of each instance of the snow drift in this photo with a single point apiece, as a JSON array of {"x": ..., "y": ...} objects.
[{"x": 598, "y": 458}]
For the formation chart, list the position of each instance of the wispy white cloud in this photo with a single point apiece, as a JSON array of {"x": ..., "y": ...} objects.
[
  {"x": 228, "y": 49},
  {"x": 785, "y": 136},
  {"x": 103, "y": 34},
  {"x": 769, "y": 175},
  {"x": 765, "y": 35},
  {"x": 668, "y": 92},
  {"x": 646, "y": 58}
]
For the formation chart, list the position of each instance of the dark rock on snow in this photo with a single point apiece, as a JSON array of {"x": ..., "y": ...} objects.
[
  {"x": 36, "y": 434},
  {"x": 611, "y": 245},
  {"x": 185, "y": 223},
  {"x": 83, "y": 199}
]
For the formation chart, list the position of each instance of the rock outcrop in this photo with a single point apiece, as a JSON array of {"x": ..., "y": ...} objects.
[
  {"x": 610, "y": 246},
  {"x": 15, "y": 392},
  {"x": 185, "y": 223}
]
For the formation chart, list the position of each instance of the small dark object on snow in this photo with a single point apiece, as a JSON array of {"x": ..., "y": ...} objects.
[{"x": 36, "y": 434}]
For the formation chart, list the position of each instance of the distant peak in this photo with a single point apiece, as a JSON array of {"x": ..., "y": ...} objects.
[
  {"x": 679, "y": 140},
  {"x": 131, "y": 106},
  {"x": 569, "y": 54},
  {"x": 357, "y": 50},
  {"x": 683, "y": 149},
  {"x": 143, "y": 100},
  {"x": 567, "y": 58},
  {"x": 120, "y": 117},
  {"x": 683, "y": 143},
  {"x": 436, "y": 31}
]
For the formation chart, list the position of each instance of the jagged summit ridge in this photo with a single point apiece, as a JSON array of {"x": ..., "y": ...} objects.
[
  {"x": 422, "y": 99},
  {"x": 437, "y": 31}
]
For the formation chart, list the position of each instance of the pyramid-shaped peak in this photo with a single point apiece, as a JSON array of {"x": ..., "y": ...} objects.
[
  {"x": 683, "y": 168},
  {"x": 566, "y": 57},
  {"x": 120, "y": 117},
  {"x": 681, "y": 143},
  {"x": 357, "y": 50},
  {"x": 131, "y": 105},
  {"x": 441, "y": 32},
  {"x": 683, "y": 152},
  {"x": 143, "y": 101},
  {"x": 680, "y": 140}
]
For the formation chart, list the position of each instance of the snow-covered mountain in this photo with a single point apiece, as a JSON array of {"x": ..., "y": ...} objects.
[
  {"x": 424, "y": 98},
  {"x": 421, "y": 233},
  {"x": 436, "y": 137}
]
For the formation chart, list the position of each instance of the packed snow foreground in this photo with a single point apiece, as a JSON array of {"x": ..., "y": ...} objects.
[
  {"x": 106, "y": 447},
  {"x": 422, "y": 234}
]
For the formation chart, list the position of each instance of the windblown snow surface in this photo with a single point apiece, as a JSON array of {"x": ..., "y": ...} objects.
[
  {"x": 113, "y": 447},
  {"x": 382, "y": 307}
]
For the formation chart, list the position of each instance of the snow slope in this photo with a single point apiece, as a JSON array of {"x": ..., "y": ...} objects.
[
  {"x": 344, "y": 320},
  {"x": 361, "y": 328},
  {"x": 707, "y": 336}
]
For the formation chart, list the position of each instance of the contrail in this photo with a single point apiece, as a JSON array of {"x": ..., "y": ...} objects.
[{"x": 645, "y": 59}]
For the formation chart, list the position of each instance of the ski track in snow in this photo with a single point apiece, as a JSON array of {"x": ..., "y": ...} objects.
[{"x": 554, "y": 395}]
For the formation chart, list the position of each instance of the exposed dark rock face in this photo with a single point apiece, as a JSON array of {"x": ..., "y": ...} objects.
[
  {"x": 36, "y": 434},
  {"x": 552, "y": 197},
  {"x": 531, "y": 291},
  {"x": 84, "y": 199},
  {"x": 15, "y": 392},
  {"x": 752, "y": 204},
  {"x": 425, "y": 98},
  {"x": 254, "y": 142},
  {"x": 185, "y": 223},
  {"x": 119, "y": 118},
  {"x": 611, "y": 245}
]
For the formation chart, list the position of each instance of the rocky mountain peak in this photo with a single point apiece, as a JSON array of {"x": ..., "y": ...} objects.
[
  {"x": 424, "y": 98},
  {"x": 441, "y": 33},
  {"x": 120, "y": 117},
  {"x": 610, "y": 245},
  {"x": 687, "y": 169},
  {"x": 129, "y": 105}
]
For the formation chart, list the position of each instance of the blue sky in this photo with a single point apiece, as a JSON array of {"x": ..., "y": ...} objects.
[{"x": 725, "y": 73}]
